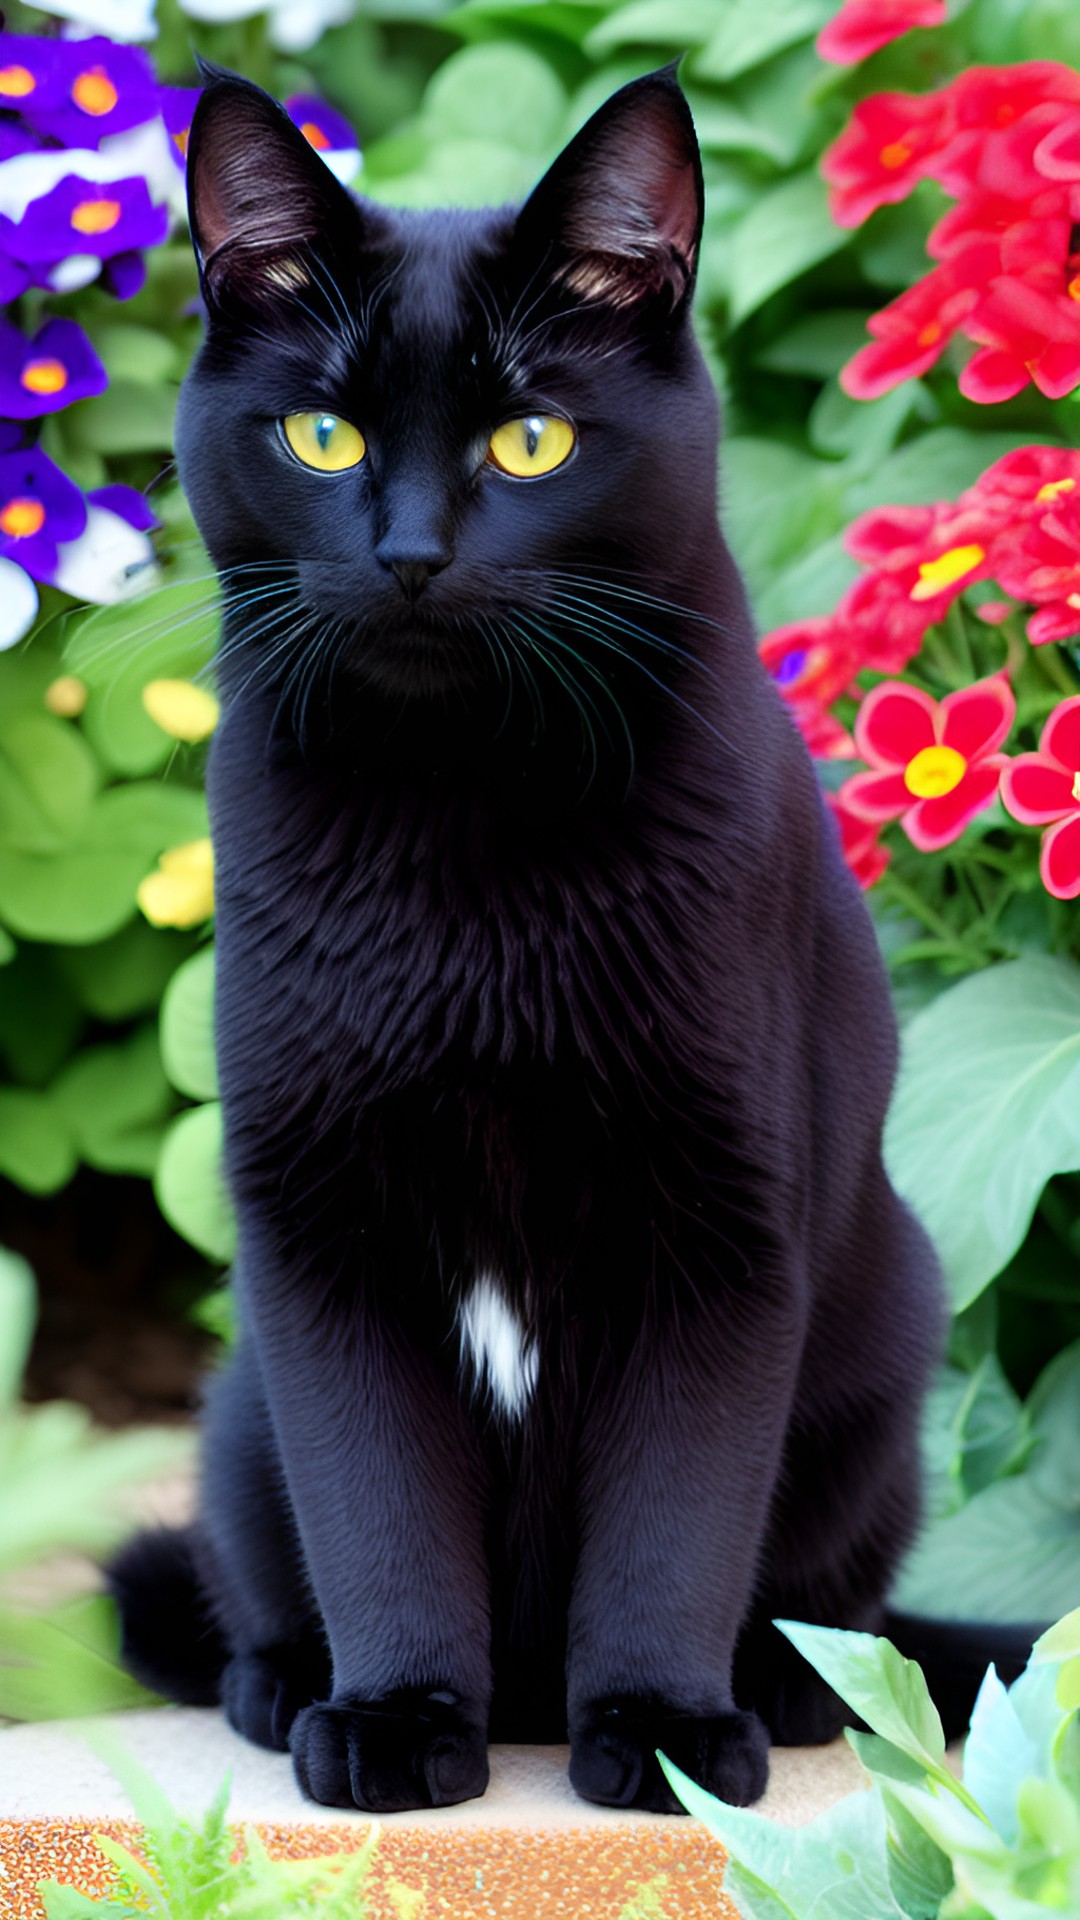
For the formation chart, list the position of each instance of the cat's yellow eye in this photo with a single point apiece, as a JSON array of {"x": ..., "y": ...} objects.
[
  {"x": 527, "y": 448},
  {"x": 323, "y": 441}
]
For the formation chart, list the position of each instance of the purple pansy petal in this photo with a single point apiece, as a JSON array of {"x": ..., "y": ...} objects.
[
  {"x": 16, "y": 139},
  {"x": 33, "y": 73},
  {"x": 129, "y": 503},
  {"x": 14, "y": 278},
  {"x": 323, "y": 127},
  {"x": 107, "y": 88},
  {"x": 13, "y": 435},
  {"x": 98, "y": 217},
  {"x": 44, "y": 374},
  {"x": 177, "y": 108},
  {"x": 124, "y": 275},
  {"x": 39, "y": 508}
]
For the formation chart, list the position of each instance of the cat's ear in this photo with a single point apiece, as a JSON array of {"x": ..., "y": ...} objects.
[
  {"x": 620, "y": 211},
  {"x": 259, "y": 197}
]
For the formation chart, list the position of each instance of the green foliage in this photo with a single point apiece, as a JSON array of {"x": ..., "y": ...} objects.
[
  {"x": 206, "y": 1870},
  {"x": 1003, "y": 1843},
  {"x": 59, "y": 1487}
]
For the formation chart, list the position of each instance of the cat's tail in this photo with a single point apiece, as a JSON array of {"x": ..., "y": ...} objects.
[
  {"x": 954, "y": 1656},
  {"x": 169, "y": 1637}
]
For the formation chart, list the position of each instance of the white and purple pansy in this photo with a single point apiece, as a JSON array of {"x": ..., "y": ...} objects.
[
  {"x": 328, "y": 132},
  {"x": 113, "y": 556},
  {"x": 88, "y": 217},
  {"x": 48, "y": 372},
  {"x": 40, "y": 509},
  {"x": 105, "y": 90},
  {"x": 18, "y": 603}
]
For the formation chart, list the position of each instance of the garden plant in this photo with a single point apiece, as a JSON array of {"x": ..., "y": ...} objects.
[{"x": 889, "y": 300}]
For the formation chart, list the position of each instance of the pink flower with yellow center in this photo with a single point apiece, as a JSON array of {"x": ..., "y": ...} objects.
[
  {"x": 1043, "y": 790},
  {"x": 933, "y": 765}
]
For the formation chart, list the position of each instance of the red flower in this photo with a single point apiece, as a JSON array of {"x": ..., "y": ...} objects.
[
  {"x": 1029, "y": 329},
  {"x": 862, "y": 26},
  {"x": 1057, "y": 155},
  {"x": 812, "y": 663},
  {"x": 934, "y": 765},
  {"x": 932, "y": 553},
  {"x": 1028, "y": 477},
  {"x": 914, "y": 329},
  {"x": 1043, "y": 789},
  {"x": 1043, "y": 567},
  {"x": 1002, "y": 115},
  {"x": 887, "y": 625},
  {"x": 859, "y": 843},
  {"x": 891, "y": 141}
]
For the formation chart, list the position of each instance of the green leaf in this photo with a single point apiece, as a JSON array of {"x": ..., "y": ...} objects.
[
  {"x": 817, "y": 345},
  {"x": 888, "y": 1691},
  {"x": 87, "y": 892},
  {"x": 130, "y": 417},
  {"x": 653, "y": 23},
  {"x": 750, "y": 33},
  {"x": 37, "y": 1146},
  {"x": 809, "y": 585},
  {"x": 497, "y": 92},
  {"x": 1011, "y": 1554},
  {"x": 187, "y": 1028},
  {"x": 987, "y": 1107},
  {"x": 65, "y": 1663},
  {"x": 1053, "y": 1408},
  {"x": 1059, "y": 1642},
  {"x": 48, "y": 778},
  {"x": 18, "y": 1317},
  {"x": 787, "y": 230},
  {"x": 138, "y": 353},
  {"x": 116, "y": 1100},
  {"x": 62, "y": 1902},
  {"x": 127, "y": 974},
  {"x": 998, "y": 1754},
  {"x": 833, "y": 1869},
  {"x": 863, "y": 431},
  {"x": 775, "y": 503},
  {"x": 190, "y": 1185},
  {"x": 937, "y": 465},
  {"x": 168, "y": 633}
]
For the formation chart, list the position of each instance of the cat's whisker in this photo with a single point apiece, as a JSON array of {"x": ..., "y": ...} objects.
[
  {"x": 565, "y": 680},
  {"x": 585, "y": 626}
]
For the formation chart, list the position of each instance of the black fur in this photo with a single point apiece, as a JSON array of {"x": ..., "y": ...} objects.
[{"x": 537, "y": 959}]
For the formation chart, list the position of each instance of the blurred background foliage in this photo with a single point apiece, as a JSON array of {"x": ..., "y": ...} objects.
[{"x": 106, "y": 1003}]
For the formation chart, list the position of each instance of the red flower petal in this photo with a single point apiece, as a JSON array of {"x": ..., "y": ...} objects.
[
  {"x": 931, "y": 824},
  {"x": 1053, "y": 623},
  {"x": 875, "y": 796},
  {"x": 862, "y": 26},
  {"x": 895, "y": 722},
  {"x": 1059, "y": 863},
  {"x": 1061, "y": 734},
  {"x": 993, "y": 375},
  {"x": 977, "y": 719},
  {"x": 1036, "y": 792}
]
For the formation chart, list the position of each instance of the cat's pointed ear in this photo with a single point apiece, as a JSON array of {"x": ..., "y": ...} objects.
[
  {"x": 621, "y": 209},
  {"x": 258, "y": 194}
]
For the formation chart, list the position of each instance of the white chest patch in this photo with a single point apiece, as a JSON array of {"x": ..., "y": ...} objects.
[{"x": 494, "y": 1347}]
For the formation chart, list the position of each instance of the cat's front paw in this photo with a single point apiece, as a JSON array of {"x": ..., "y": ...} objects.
[
  {"x": 413, "y": 1749},
  {"x": 613, "y": 1754}
]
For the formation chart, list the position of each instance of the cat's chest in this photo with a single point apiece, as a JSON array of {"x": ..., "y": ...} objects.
[{"x": 403, "y": 922}]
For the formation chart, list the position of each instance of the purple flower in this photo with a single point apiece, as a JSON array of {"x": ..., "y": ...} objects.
[
  {"x": 14, "y": 278},
  {"x": 177, "y": 107},
  {"x": 124, "y": 275},
  {"x": 129, "y": 503},
  {"x": 106, "y": 89},
  {"x": 327, "y": 131},
  {"x": 88, "y": 217},
  {"x": 15, "y": 139},
  {"x": 39, "y": 509},
  {"x": 33, "y": 73},
  {"x": 41, "y": 375}
]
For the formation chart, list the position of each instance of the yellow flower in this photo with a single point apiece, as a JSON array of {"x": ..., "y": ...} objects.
[
  {"x": 407, "y": 1902},
  {"x": 181, "y": 892},
  {"x": 66, "y": 697},
  {"x": 180, "y": 708}
]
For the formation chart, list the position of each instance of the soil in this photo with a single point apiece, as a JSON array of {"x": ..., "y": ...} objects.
[{"x": 115, "y": 1287}]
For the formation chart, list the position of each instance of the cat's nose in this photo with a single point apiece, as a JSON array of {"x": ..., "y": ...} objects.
[{"x": 412, "y": 576}]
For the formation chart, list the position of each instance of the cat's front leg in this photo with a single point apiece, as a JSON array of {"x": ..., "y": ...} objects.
[
  {"x": 387, "y": 1489},
  {"x": 677, "y": 1469}
]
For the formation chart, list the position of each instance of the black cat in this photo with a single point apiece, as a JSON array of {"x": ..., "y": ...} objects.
[{"x": 581, "y": 1331}]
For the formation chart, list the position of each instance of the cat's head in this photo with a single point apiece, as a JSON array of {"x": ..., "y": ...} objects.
[{"x": 421, "y": 441}]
